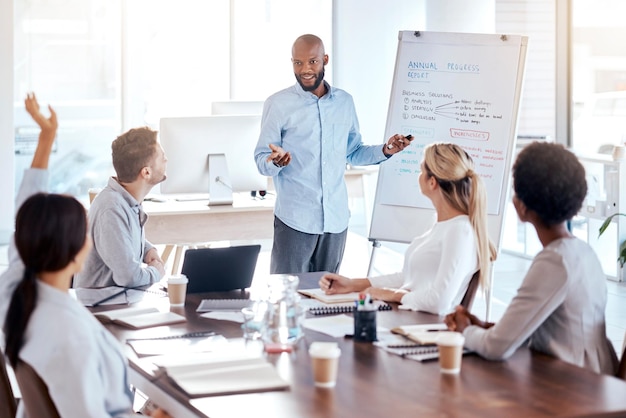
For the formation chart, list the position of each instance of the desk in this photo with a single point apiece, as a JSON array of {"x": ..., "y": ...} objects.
[
  {"x": 177, "y": 224},
  {"x": 373, "y": 383},
  {"x": 180, "y": 223}
]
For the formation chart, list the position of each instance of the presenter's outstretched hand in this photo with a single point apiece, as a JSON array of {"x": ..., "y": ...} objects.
[
  {"x": 279, "y": 157},
  {"x": 397, "y": 143}
]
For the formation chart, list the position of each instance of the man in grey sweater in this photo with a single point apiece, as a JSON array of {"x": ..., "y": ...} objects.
[{"x": 116, "y": 217}]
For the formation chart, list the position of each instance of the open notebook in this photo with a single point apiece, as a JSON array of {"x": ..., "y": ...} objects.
[
  {"x": 221, "y": 372},
  {"x": 323, "y": 297},
  {"x": 137, "y": 318}
]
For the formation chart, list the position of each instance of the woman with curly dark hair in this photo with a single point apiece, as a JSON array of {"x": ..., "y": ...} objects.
[{"x": 559, "y": 307}]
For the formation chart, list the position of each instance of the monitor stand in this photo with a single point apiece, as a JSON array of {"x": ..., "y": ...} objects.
[{"x": 220, "y": 190}]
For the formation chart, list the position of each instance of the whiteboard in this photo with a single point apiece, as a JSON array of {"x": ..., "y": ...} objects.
[{"x": 449, "y": 87}]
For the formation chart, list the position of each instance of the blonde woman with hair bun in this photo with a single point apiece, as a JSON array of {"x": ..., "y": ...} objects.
[{"x": 439, "y": 264}]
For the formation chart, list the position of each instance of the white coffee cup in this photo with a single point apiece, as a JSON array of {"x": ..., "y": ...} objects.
[
  {"x": 325, "y": 363},
  {"x": 450, "y": 351},
  {"x": 92, "y": 194},
  {"x": 619, "y": 153},
  {"x": 177, "y": 289}
]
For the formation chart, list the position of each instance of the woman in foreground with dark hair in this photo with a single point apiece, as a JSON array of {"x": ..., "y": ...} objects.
[
  {"x": 559, "y": 307},
  {"x": 80, "y": 362}
]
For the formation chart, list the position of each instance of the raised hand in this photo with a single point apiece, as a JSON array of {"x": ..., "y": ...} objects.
[{"x": 49, "y": 124}]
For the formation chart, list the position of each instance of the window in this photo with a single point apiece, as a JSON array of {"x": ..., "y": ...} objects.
[
  {"x": 598, "y": 68},
  {"x": 109, "y": 65}
]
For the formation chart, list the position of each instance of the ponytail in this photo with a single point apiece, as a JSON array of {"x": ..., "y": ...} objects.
[
  {"x": 20, "y": 310},
  {"x": 465, "y": 191},
  {"x": 478, "y": 218},
  {"x": 50, "y": 230}
]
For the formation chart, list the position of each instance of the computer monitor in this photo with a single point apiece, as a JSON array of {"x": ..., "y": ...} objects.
[
  {"x": 234, "y": 107},
  {"x": 190, "y": 143}
]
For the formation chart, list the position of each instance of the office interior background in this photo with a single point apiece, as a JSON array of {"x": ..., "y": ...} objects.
[{"x": 109, "y": 65}]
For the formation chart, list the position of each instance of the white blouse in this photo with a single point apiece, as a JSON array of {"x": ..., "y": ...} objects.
[{"x": 438, "y": 267}]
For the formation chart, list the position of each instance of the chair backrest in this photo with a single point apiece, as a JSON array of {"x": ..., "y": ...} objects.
[
  {"x": 621, "y": 370},
  {"x": 8, "y": 405},
  {"x": 35, "y": 395},
  {"x": 472, "y": 287}
]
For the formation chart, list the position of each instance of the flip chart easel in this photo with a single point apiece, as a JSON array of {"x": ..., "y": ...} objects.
[{"x": 449, "y": 87}]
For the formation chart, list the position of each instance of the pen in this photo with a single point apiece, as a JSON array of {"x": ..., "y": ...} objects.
[
  {"x": 108, "y": 298},
  {"x": 116, "y": 294},
  {"x": 409, "y": 137},
  {"x": 200, "y": 334},
  {"x": 330, "y": 284}
]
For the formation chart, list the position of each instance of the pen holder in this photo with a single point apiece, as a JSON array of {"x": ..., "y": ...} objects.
[{"x": 364, "y": 325}]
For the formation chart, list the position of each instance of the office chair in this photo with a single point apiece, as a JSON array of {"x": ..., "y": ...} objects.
[
  {"x": 8, "y": 405},
  {"x": 470, "y": 293},
  {"x": 37, "y": 401}
]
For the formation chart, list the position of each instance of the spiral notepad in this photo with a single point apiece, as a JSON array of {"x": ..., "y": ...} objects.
[
  {"x": 223, "y": 304},
  {"x": 338, "y": 309},
  {"x": 417, "y": 352}
]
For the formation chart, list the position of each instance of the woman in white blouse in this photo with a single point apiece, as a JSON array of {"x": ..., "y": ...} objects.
[
  {"x": 77, "y": 358},
  {"x": 439, "y": 264}
]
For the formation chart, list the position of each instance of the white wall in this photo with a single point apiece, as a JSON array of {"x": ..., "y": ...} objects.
[
  {"x": 365, "y": 34},
  {"x": 6, "y": 121}
]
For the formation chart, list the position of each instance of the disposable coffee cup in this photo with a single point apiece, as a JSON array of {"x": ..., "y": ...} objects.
[
  {"x": 619, "y": 153},
  {"x": 177, "y": 289},
  {"x": 92, "y": 194},
  {"x": 325, "y": 362},
  {"x": 450, "y": 351}
]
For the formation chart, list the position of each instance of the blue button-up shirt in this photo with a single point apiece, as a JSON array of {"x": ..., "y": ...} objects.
[{"x": 322, "y": 135}]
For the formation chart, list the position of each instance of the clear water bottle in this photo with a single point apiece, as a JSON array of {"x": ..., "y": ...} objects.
[{"x": 284, "y": 314}]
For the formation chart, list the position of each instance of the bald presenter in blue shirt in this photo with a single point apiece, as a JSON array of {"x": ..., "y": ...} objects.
[{"x": 309, "y": 132}]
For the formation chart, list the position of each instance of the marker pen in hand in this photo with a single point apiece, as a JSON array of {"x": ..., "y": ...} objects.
[{"x": 409, "y": 137}]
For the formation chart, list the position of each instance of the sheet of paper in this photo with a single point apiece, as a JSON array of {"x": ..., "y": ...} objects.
[
  {"x": 224, "y": 316},
  {"x": 179, "y": 346},
  {"x": 335, "y": 326}
]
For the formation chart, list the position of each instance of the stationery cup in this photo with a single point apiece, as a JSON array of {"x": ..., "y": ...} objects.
[
  {"x": 364, "y": 325},
  {"x": 325, "y": 362},
  {"x": 177, "y": 289},
  {"x": 450, "y": 351}
]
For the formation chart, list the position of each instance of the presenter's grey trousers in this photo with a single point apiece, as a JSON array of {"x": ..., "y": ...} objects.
[{"x": 297, "y": 252}]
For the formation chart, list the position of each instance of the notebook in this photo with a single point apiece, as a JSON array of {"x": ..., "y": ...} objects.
[
  {"x": 227, "y": 370},
  {"x": 343, "y": 308},
  {"x": 223, "y": 305},
  {"x": 137, "y": 317},
  {"x": 320, "y": 295},
  {"x": 220, "y": 269},
  {"x": 420, "y": 333},
  {"x": 418, "y": 352}
]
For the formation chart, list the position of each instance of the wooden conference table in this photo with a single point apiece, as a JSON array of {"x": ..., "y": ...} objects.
[{"x": 373, "y": 383}]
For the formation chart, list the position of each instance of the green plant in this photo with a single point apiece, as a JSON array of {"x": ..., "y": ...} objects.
[{"x": 622, "y": 248}]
